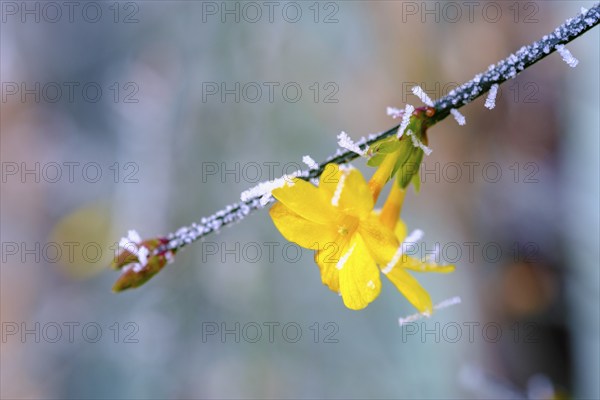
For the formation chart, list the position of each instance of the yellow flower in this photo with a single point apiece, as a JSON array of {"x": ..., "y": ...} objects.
[
  {"x": 337, "y": 220},
  {"x": 404, "y": 281}
]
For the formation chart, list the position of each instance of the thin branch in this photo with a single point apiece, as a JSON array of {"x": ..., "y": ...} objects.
[
  {"x": 506, "y": 69},
  {"x": 524, "y": 58}
]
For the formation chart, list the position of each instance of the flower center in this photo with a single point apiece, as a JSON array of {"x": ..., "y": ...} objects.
[
  {"x": 342, "y": 230},
  {"x": 347, "y": 225}
]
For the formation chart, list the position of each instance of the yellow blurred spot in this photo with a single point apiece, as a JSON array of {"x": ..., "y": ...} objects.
[{"x": 84, "y": 237}]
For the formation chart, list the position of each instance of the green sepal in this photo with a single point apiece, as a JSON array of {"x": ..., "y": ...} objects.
[
  {"x": 410, "y": 168},
  {"x": 408, "y": 157},
  {"x": 381, "y": 149},
  {"x": 376, "y": 160},
  {"x": 416, "y": 181},
  {"x": 403, "y": 154},
  {"x": 388, "y": 145}
]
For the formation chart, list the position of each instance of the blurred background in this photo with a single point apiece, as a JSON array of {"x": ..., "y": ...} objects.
[{"x": 150, "y": 115}]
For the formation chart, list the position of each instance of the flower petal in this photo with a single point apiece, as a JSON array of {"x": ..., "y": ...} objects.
[
  {"x": 301, "y": 231},
  {"x": 356, "y": 197},
  {"x": 329, "y": 179},
  {"x": 359, "y": 277},
  {"x": 411, "y": 289},
  {"x": 414, "y": 264},
  {"x": 400, "y": 231},
  {"x": 327, "y": 260},
  {"x": 348, "y": 189},
  {"x": 380, "y": 240},
  {"x": 306, "y": 200}
]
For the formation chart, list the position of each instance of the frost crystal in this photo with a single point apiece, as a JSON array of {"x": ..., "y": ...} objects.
[
  {"x": 137, "y": 267},
  {"x": 415, "y": 236},
  {"x": 335, "y": 200},
  {"x": 567, "y": 56},
  {"x": 433, "y": 257},
  {"x": 420, "y": 93},
  {"x": 458, "y": 116},
  {"x": 394, "y": 112},
  {"x": 440, "y": 306},
  {"x": 143, "y": 254},
  {"x": 312, "y": 164},
  {"x": 265, "y": 188},
  {"x": 490, "y": 101},
  {"x": 344, "y": 258},
  {"x": 130, "y": 243},
  {"x": 265, "y": 199},
  {"x": 134, "y": 236},
  {"x": 124, "y": 243},
  {"x": 346, "y": 142},
  {"x": 417, "y": 143},
  {"x": 408, "y": 110}
]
